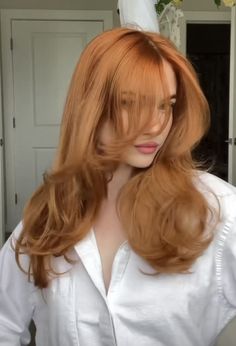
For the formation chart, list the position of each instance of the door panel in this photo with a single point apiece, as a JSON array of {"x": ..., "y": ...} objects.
[
  {"x": 54, "y": 56},
  {"x": 44, "y": 57}
]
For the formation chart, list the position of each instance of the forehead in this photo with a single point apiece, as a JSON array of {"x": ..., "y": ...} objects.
[{"x": 150, "y": 86}]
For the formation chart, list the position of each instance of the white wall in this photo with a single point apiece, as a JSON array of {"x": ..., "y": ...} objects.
[
  {"x": 59, "y": 4},
  {"x": 188, "y": 5},
  {"x": 63, "y": 5},
  {"x": 200, "y": 5}
]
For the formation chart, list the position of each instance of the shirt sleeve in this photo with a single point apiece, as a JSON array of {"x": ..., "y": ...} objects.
[
  {"x": 228, "y": 266},
  {"x": 16, "y": 309}
]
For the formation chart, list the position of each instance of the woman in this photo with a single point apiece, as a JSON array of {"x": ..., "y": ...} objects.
[{"x": 125, "y": 242}]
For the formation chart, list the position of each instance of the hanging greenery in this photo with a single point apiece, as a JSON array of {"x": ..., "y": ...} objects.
[
  {"x": 228, "y": 3},
  {"x": 160, "y": 6}
]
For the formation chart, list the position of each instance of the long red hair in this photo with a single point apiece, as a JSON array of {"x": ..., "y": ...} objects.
[{"x": 161, "y": 210}]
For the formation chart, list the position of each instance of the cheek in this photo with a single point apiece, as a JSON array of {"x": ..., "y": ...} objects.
[
  {"x": 167, "y": 129},
  {"x": 105, "y": 136},
  {"x": 124, "y": 117}
]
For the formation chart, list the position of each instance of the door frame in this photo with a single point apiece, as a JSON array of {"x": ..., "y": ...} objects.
[
  {"x": 222, "y": 17},
  {"x": 200, "y": 17},
  {"x": 2, "y": 209},
  {"x": 232, "y": 100},
  {"x": 7, "y": 16}
]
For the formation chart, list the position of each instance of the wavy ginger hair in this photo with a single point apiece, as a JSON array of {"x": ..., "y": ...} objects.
[{"x": 161, "y": 211}]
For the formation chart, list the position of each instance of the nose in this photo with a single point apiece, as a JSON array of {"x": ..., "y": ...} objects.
[
  {"x": 152, "y": 130},
  {"x": 156, "y": 125}
]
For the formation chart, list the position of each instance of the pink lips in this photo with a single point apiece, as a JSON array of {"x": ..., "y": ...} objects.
[{"x": 147, "y": 148}]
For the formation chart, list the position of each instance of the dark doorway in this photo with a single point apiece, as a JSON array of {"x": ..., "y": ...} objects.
[{"x": 208, "y": 48}]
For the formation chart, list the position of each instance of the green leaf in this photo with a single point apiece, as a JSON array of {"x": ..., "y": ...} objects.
[
  {"x": 161, "y": 5},
  {"x": 159, "y": 8},
  {"x": 218, "y": 3},
  {"x": 166, "y": 2}
]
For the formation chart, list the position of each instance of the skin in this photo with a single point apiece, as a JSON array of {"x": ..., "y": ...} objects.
[
  {"x": 132, "y": 157},
  {"x": 108, "y": 229}
]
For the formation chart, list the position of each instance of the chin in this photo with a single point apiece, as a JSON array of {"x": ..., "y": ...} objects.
[
  {"x": 139, "y": 161},
  {"x": 145, "y": 164}
]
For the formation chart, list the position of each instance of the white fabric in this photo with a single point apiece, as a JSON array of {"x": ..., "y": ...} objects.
[
  {"x": 138, "y": 14},
  {"x": 141, "y": 15},
  {"x": 173, "y": 310}
]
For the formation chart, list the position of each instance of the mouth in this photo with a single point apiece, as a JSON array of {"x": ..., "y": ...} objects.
[
  {"x": 147, "y": 148},
  {"x": 149, "y": 144}
]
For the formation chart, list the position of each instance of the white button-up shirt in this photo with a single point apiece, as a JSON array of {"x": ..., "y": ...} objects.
[{"x": 163, "y": 310}]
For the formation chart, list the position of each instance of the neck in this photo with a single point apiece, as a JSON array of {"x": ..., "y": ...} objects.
[{"x": 120, "y": 178}]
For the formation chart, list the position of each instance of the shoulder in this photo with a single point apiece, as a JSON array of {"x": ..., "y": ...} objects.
[
  {"x": 17, "y": 231},
  {"x": 217, "y": 191},
  {"x": 221, "y": 188},
  {"x": 7, "y": 252}
]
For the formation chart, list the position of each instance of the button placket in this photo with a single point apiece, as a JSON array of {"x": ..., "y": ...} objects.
[
  {"x": 118, "y": 267},
  {"x": 92, "y": 263},
  {"x": 107, "y": 329}
]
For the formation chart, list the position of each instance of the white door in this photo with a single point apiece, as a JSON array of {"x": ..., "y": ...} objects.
[{"x": 44, "y": 57}]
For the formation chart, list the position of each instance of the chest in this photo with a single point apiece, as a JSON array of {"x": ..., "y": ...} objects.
[
  {"x": 108, "y": 244},
  {"x": 109, "y": 236},
  {"x": 153, "y": 310}
]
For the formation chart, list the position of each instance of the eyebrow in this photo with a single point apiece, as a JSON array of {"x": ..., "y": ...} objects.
[
  {"x": 131, "y": 93},
  {"x": 173, "y": 96}
]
